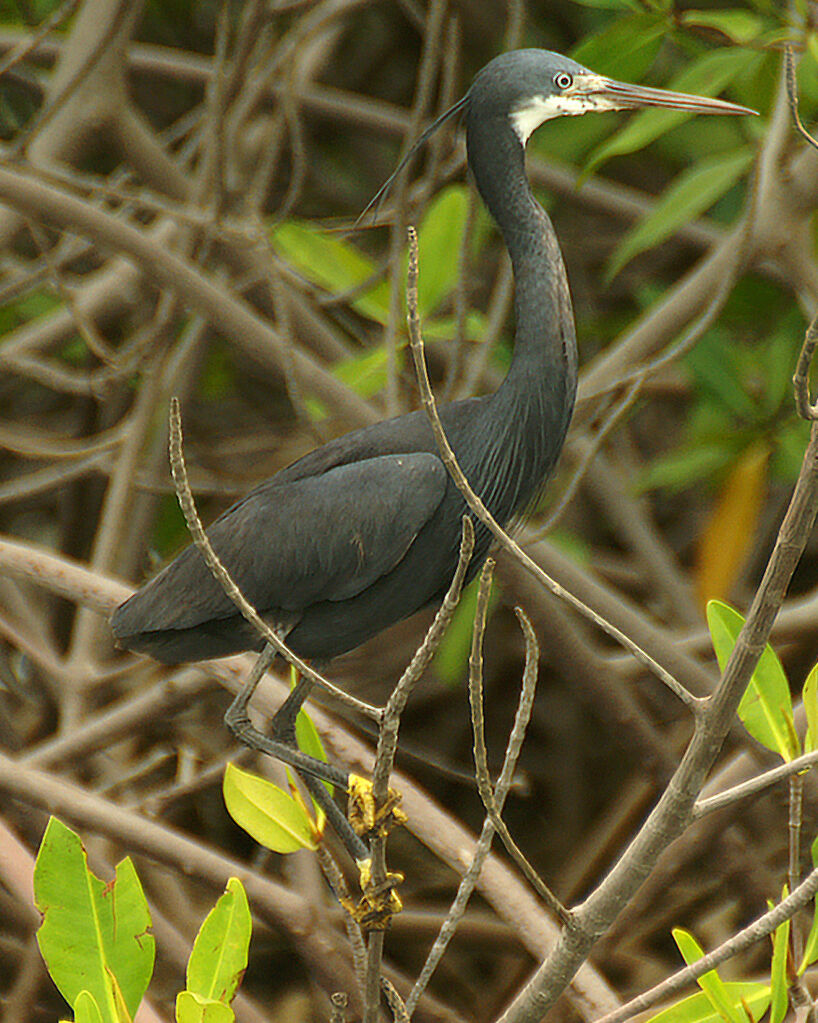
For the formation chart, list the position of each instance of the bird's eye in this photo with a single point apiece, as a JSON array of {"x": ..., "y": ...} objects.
[{"x": 563, "y": 80}]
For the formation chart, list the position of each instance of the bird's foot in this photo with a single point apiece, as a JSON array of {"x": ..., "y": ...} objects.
[
  {"x": 378, "y": 902},
  {"x": 364, "y": 816}
]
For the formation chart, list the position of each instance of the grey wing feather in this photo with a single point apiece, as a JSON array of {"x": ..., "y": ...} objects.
[{"x": 293, "y": 543}]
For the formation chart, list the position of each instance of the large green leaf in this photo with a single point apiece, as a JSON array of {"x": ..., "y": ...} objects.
[
  {"x": 699, "y": 1009},
  {"x": 716, "y": 367},
  {"x": 710, "y": 982},
  {"x": 708, "y": 76},
  {"x": 219, "y": 956},
  {"x": 691, "y": 193},
  {"x": 766, "y": 707},
  {"x": 266, "y": 812},
  {"x": 91, "y": 931}
]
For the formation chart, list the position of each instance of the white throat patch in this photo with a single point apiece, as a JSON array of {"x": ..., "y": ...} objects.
[{"x": 539, "y": 109}]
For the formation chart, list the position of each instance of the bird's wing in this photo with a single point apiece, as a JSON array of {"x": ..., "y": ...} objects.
[{"x": 292, "y": 544}]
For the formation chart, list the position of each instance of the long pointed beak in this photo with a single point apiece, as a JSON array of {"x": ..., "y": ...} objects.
[{"x": 624, "y": 96}]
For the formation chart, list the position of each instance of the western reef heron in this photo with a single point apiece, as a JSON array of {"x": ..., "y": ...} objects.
[{"x": 365, "y": 530}]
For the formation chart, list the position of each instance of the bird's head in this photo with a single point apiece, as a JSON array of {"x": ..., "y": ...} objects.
[
  {"x": 525, "y": 88},
  {"x": 529, "y": 87}
]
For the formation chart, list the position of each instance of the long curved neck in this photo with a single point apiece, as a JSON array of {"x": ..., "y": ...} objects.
[
  {"x": 527, "y": 418},
  {"x": 545, "y": 338}
]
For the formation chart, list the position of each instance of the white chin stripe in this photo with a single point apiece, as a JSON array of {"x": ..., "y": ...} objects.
[{"x": 539, "y": 109}]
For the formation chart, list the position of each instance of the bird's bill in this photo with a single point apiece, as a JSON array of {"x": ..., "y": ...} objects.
[{"x": 623, "y": 96}]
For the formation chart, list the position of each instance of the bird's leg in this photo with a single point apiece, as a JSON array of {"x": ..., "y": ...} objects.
[
  {"x": 283, "y": 724},
  {"x": 238, "y": 721},
  {"x": 378, "y": 903}
]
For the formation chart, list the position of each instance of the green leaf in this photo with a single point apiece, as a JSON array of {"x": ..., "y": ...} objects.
[
  {"x": 715, "y": 365},
  {"x": 683, "y": 467},
  {"x": 191, "y": 1008},
  {"x": 810, "y": 697},
  {"x": 766, "y": 707},
  {"x": 740, "y": 26},
  {"x": 266, "y": 812},
  {"x": 708, "y": 76},
  {"x": 219, "y": 956},
  {"x": 779, "y": 1002},
  {"x": 710, "y": 982},
  {"x": 86, "y": 1009},
  {"x": 91, "y": 930},
  {"x": 691, "y": 193},
  {"x": 364, "y": 373},
  {"x": 611, "y": 5},
  {"x": 440, "y": 238},
  {"x": 698, "y": 1008},
  {"x": 626, "y": 48},
  {"x": 331, "y": 262},
  {"x": 309, "y": 741},
  {"x": 452, "y": 656}
]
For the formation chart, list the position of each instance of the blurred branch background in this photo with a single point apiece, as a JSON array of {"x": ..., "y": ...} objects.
[{"x": 179, "y": 185}]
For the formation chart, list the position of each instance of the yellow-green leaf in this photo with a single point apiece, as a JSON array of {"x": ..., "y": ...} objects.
[
  {"x": 331, "y": 262},
  {"x": 811, "y": 944},
  {"x": 192, "y": 1008},
  {"x": 810, "y": 698},
  {"x": 219, "y": 957},
  {"x": 266, "y": 812},
  {"x": 710, "y": 982},
  {"x": 766, "y": 707},
  {"x": 86, "y": 1009},
  {"x": 699, "y": 1009},
  {"x": 778, "y": 971}
]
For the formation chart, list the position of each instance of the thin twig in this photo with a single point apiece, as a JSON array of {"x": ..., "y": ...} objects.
[
  {"x": 448, "y": 457},
  {"x": 806, "y": 408},
  {"x": 792, "y": 95},
  {"x": 754, "y": 785},
  {"x": 481, "y": 756},
  {"x": 337, "y": 882},
  {"x": 387, "y": 747},
  {"x": 483, "y": 847},
  {"x": 795, "y": 819},
  {"x": 222, "y": 576}
]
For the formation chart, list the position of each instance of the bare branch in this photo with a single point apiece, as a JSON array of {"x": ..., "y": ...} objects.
[{"x": 754, "y": 785}]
